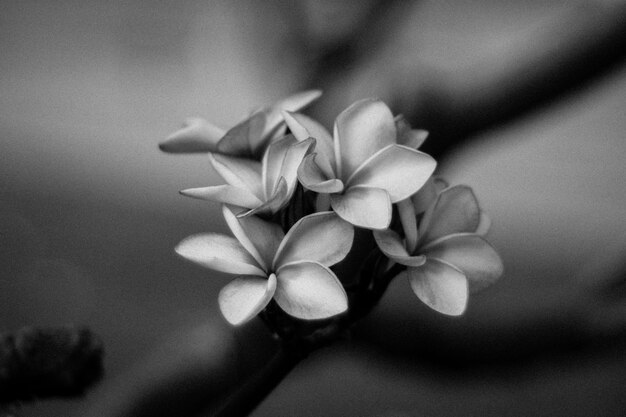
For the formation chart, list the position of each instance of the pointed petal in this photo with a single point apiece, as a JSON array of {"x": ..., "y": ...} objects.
[
  {"x": 293, "y": 159},
  {"x": 390, "y": 243},
  {"x": 277, "y": 133},
  {"x": 259, "y": 142},
  {"x": 239, "y": 172},
  {"x": 296, "y": 102},
  {"x": 408, "y": 220},
  {"x": 426, "y": 196},
  {"x": 243, "y": 298},
  {"x": 237, "y": 141},
  {"x": 412, "y": 138},
  {"x": 225, "y": 194},
  {"x": 361, "y": 130},
  {"x": 218, "y": 252},
  {"x": 309, "y": 290},
  {"x": 364, "y": 207},
  {"x": 303, "y": 127},
  {"x": 320, "y": 237},
  {"x": 260, "y": 238},
  {"x": 196, "y": 136},
  {"x": 277, "y": 201},
  {"x": 273, "y": 160},
  {"x": 470, "y": 253},
  {"x": 455, "y": 210},
  {"x": 399, "y": 170},
  {"x": 313, "y": 178},
  {"x": 440, "y": 286},
  {"x": 483, "y": 225}
]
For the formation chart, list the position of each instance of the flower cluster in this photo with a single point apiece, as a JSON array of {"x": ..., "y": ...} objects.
[{"x": 294, "y": 195}]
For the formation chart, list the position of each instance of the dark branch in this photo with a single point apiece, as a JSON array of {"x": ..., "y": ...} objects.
[
  {"x": 559, "y": 60},
  {"x": 571, "y": 51}
]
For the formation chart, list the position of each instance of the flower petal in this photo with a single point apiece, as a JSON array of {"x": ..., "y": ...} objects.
[
  {"x": 361, "y": 130},
  {"x": 313, "y": 178},
  {"x": 309, "y": 290},
  {"x": 320, "y": 237},
  {"x": 244, "y": 297},
  {"x": 273, "y": 160},
  {"x": 390, "y": 243},
  {"x": 455, "y": 210},
  {"x": 470, "y": 253},
  {"x": 260, "y": 238},
  {"x": 364, "y": 207},
  {"x": 220, "y": 253},
  {"x": 239, "y": 172},
  {"x": 293, "y": 159},
  {"x": 238, "y": 140},
  {"x": 303, "y": 127},
  {"x": 412, "y": 138},
  {"x": 428, "y": 194},
  {"x": 483, "y": 225},
  {"x": 399, "y": 170},
  {"x": 277, "y": 201},
  {"x": 196, "y": 136},
  {"x": 277, "y": 133},
  {"x": 225, "y": 194},
  {"x": 440, "y": 286},
  {"x": 296, "y": 102}
]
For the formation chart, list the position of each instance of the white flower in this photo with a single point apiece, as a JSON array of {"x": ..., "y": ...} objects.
[
  {"x": 248, "y": 138},
  {"x": 450, "y": 257},
  {"x": 293, "y": 268},
  {"x": 260, "y": 187},
  {"x": 362, "y": 167}
]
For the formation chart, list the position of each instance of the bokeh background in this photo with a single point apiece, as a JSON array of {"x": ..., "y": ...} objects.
[{"x": 89, "y": 209}]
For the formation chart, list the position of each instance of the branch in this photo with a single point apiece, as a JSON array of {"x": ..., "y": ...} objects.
[
  {"x": 585, "y": 44},
  {"x": 569, "y": 52}
]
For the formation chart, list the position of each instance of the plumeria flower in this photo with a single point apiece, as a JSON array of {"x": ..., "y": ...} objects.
[
  {"x": 293, "y": 269},
  {"x": 450, "y": 257},
  {"x": 248, "y": 138},
  {"x": 362, "y": 167},
  {"x": 259, "y": 187}
]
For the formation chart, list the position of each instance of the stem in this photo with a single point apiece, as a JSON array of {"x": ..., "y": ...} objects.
[{"x": 246, "y": 398}]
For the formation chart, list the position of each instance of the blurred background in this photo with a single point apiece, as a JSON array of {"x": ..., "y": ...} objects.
[{"x": 525, "y": 101}]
